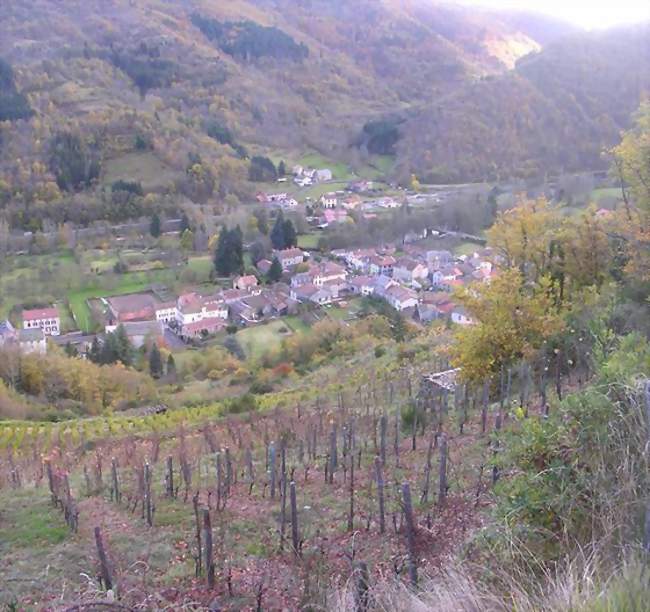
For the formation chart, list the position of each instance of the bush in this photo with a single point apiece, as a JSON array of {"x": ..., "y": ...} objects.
[
  {"x": 245, "y": 403},
  {"x": 380, "y": 351}
]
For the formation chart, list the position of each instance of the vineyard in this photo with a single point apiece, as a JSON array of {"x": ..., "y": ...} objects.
[{"x": 336, "y": 488}]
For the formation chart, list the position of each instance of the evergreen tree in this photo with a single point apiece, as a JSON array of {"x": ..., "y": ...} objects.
[
  {"x": 122, "y": 346},
  {"x": 155, "y": 362},
  {"x": 95, "y": 353},
  {"x": 229, "y": 254},
  {"x": 171, "y": 367},
  {"x": 282, "y": 168},
  {"x": 275, "y": 271},
  {"x": 277, "y": 233},
  {"x": 290, "y": 235},
  {"x": 154, "y": 227}
]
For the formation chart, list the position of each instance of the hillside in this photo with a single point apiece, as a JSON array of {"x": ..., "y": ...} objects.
[
  {"x": 172, "y": 99},
  {"x": 166, "y": 94},
  {"x": 557, "y": 111}
]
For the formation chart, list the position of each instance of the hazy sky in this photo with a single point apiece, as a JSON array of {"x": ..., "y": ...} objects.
[{"x": 585, "y": 13}]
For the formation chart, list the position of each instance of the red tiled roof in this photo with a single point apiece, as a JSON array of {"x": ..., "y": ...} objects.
[{"x": 40, "y": 313}]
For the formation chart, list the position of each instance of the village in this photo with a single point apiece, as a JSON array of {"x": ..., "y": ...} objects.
[
  {"x": 414, "y": 281},
  {"x": 409, "y": 276}
]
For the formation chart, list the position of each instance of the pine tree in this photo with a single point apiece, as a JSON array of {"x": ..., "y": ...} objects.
[
  {"x": 282, "y": 168},
  {"x": 229, "y": 254},
  {"x": 275, "y": 271},
  {"x": 155, "y": 362},
  {"x": 123, "y": 346},
  {"x": 171, "y": 367},
  {"x": 95, "y": 353},
  {"x": 154, "y": 227},
  {"x": 290, "y": 235},
  {"x": 277, "y": 233}
]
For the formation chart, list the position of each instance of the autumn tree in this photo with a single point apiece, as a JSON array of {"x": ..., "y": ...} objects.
[{"x": 513, "y": 320}]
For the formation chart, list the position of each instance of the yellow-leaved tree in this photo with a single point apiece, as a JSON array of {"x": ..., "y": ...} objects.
[{"x": 513, "y": 318}]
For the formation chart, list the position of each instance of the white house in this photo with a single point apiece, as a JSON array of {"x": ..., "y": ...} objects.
[
  {"x": 329, "y": 200},
  {"x": 45, "y": 319},
  {"x": 166, "y": 312},
  {"x": 32, "y": 341},
  {"x": 410, "y": 271},
  {"x": 401, "y": 298},
  {"x": 460, "y": 316},
  {"x": 289, "y": 258},
  {"x": 362, "y": 285}
]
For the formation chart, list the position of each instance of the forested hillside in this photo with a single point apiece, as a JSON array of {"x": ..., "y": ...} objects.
[
  {"x": 174, "y": 98},
  {"x": 556, "y": 112}
]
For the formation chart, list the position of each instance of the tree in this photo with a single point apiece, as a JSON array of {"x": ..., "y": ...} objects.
[
  {"x": 187, "y": 240},
  {"x": 290, "y": 235},
  {"x": 524, "y": 234},
  {"x": 282, "y": 168},
  {"x": 277, "y": 233},
  {"x": 73, "y": 163},
  {"x": 171, "y": 367},
  {"x": 262, "y": 170},
  {"x": 155, "y": 362},
  {"x": 632, "y": 160},
  {"x": 275, "y": 271},
  {"x": 513, "y": 320},
  {"x": 229, "y": 254},
  {"x": 95, "y": 353},
  {"x": 154, "y": 226}
]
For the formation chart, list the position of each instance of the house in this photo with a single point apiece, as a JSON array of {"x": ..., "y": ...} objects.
[
  {"x": 362, "y": 285},
  {"x": 197, "y": 315},
  {"x": 360, "y": 186},
  {"x": 329, "y": 200},
  {"x": 277, "y": 197},
  {"x": 401, "y": 298},
  {"x": 381, "y": 265},
  {"x": 131, "y": 307},
  {"x": 245, "y": 283},
  {"x": 166, "y": 312},
  {"x": 32, "y": 340},
  {"x": 141, "y": 333},
  {"x": 264, "y": 265},
  {"x": 460, "y": 316},
  {"x": 45, "y": 319},
  {"x": 323, "y": 175},
  {"x": 438, "y": 259},
  {"x": 311, "y": 293},
  {"x": 81, "y": 342},
  {"x": 289, "y": 258},
  {"x": 334, "y": 216},
  {"x": 8, "y": 334},
  {"x": 202, "y": 328},
  {"x": 320, "y": 274},
  {"x": 410, "y": 271},
  {"x": 382, "y": 284}
]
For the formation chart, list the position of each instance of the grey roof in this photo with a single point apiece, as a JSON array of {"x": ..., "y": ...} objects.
[{"x": 30, "y": 335}]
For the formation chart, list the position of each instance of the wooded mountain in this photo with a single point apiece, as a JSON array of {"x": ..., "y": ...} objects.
[
  {"x": 177, "y": 95},
  {"x": 557, "y": 111}
]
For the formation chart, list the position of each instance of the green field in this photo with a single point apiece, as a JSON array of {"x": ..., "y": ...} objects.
[
  {"x": 145, "y": 168},
  {"x": 259, "y": 339},
  {"x": 308, "y": 241}
]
